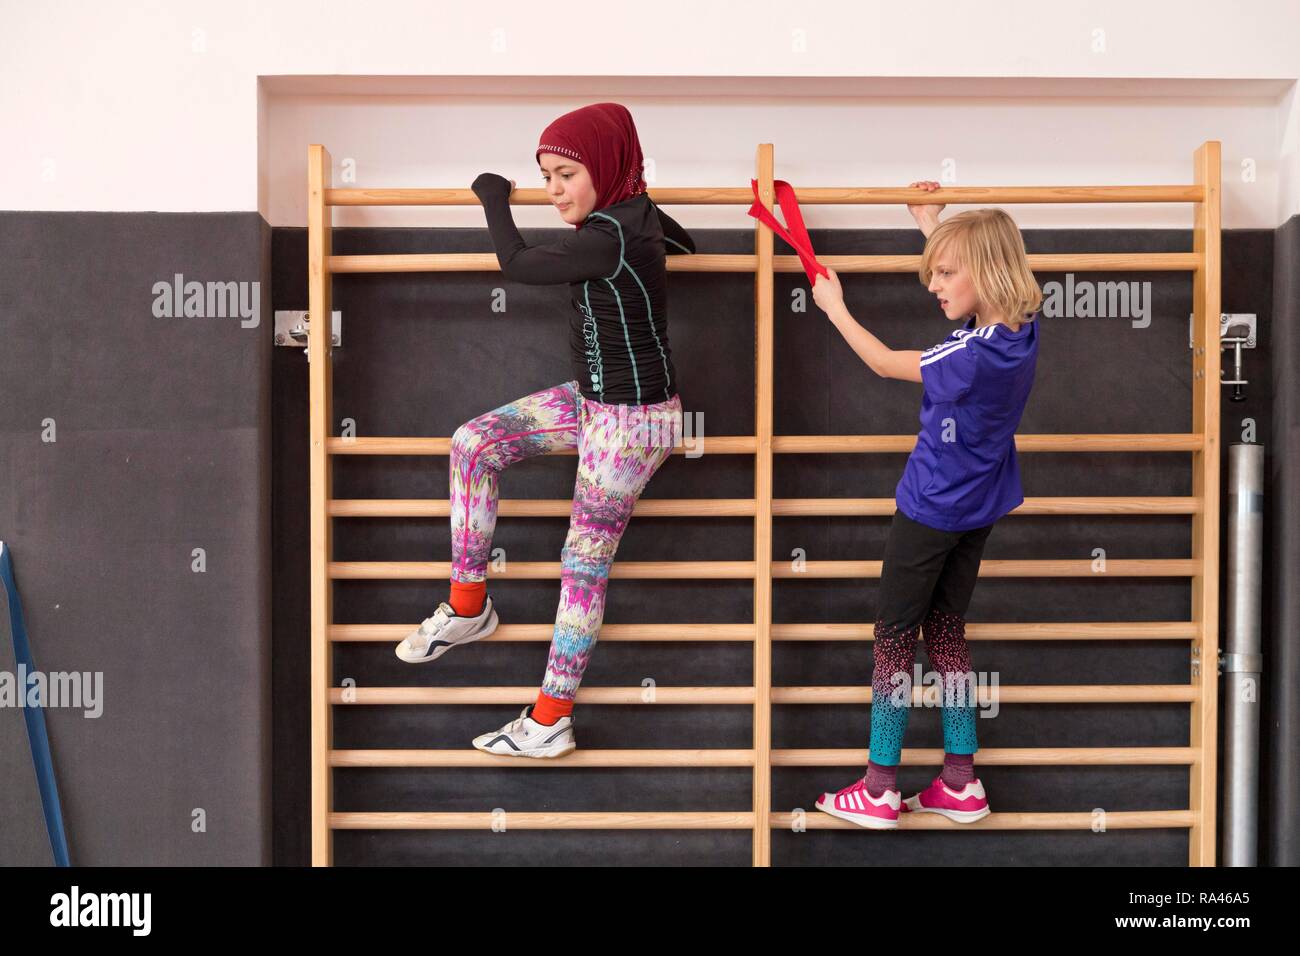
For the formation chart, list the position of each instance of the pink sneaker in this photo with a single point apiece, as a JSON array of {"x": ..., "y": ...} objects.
[
  {"x": 856, "y": 804},
  {"x": 964, "y": 806}
]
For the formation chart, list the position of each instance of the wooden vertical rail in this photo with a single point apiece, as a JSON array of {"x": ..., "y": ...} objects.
[
  {"x": 764, "y": 361},
  {"x": 320, "y": 390},
  {"x": 1206, "y": 392}
]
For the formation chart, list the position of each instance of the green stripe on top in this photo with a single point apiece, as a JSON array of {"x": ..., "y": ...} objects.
[
  {"x": 622, "y": 247},
  {"x": 622, "y": 316},
  {"x": 627, "y": 339},
  {"x": 623, "y": 263},
  {"x": 651, "y": 315}
]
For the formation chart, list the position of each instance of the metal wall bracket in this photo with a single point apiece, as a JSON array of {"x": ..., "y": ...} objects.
[
  {"x": 1241, "y": 663},
  {"x": 291, "y": 327},
  {"x": 1243, "y": 323},
  {"x": 1226, "y": 321}
]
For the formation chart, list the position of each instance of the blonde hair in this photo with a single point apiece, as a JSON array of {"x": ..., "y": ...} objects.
[{"x": 988, "y": 243}]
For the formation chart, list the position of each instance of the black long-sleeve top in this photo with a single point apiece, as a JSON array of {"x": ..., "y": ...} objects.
[{"x": 617, "y": 278}]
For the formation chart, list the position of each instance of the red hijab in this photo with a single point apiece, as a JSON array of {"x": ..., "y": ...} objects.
[{"x": 603, "y": 138}]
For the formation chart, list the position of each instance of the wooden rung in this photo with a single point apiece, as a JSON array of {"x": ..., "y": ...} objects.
[
  {"x": 715, "y": 263},
  {"x": 810, "y": 819},
  {"x": 1014, "y": 694},
  {"x": 814, "y": 819},
  {"x": 736, "y": 570},
  {"x": 726, "y": 262},
  {"x": 1064, "y": 505},
  {"x": 488, "y": 262},
  {"x": 813, "y": 444},
  {"x": 1053, "y": 262},
  {"x": 809, "y": 195},
  {"x": 1001, "y": 631},
  {"x": 1110, "y": 505},
  {"x": 542, "y": 570},
  {"x": 540, "y": 508},
  {"x": 521, "y": 820},
  {"x": 713, "y": 757},
  {"x": 468, "y": 757},
  {"x": 998, "y": 756},
  {"x": 900, "y": 444},
  {"x": 391, "y": 633},
  {"x": 894, "y": 195},
  {"x": 526, "y": 695},
  {"x": 362, "y": 445},
  {"x": 744, "y": 507},
  {"x": 1020, "y": 631},
  {"x": 664, "y": 196},
  {"x": 784, "y": 820},
  {"x": 1080, "y": 568}
]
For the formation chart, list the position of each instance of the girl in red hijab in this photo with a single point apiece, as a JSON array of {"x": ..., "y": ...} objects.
[{"x": 620, "y": 408}]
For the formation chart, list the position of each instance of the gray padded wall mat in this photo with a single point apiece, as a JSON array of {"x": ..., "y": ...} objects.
[
  {"x": 163, "y": 446},
  {"x": 423, "y": 352}
]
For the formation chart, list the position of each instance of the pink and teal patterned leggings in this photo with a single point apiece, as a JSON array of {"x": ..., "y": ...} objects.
[
  {"x": 926, "y": 582},
  {"x": 619, "y": 448}
]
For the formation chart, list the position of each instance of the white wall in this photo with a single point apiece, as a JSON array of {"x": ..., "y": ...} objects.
[
  {"x": 876, "y": 140},
  {"x": 160, "y": 106}
]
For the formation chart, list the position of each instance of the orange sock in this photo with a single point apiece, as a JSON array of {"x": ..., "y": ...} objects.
[
  {"x": 467, "y": 600},
  {"x": 548, "y": 709}
]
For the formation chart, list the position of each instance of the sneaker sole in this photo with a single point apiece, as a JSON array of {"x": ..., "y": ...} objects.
[
  {"x": 441, "y": 649},
  {"x": 957, "y": 816},
  {"x": 547, "y": 754},
  {"x": 870, "y": 823}
]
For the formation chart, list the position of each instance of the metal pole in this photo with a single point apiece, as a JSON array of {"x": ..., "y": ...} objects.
[{"x": 1242, "y": 661}]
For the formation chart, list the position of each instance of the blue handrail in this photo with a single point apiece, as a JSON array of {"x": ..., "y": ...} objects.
[{"x": 35, "y": 718}]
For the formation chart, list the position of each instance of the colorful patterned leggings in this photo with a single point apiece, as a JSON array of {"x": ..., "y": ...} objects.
[
  {"x": 619, "y": 448},
  {"x": 926, "y": 580}
]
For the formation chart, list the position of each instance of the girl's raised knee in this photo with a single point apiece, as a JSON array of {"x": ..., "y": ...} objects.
[{"x": 463, "y": 440}]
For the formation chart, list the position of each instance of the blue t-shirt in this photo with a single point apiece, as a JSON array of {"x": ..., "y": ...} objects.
[{"x": 963, "y": 472}]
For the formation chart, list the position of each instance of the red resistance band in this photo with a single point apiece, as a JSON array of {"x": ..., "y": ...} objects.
[{"x": 796, "y": 235}]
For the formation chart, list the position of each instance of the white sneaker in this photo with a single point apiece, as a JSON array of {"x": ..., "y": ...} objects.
[
  {"x": 446, "y": 629},
  {"x": 525, "y": 737}
]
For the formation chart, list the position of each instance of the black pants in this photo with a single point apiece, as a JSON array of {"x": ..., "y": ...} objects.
[
  {"x": 927, "y": 579},
  {"x": 927, "y": 569}
]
